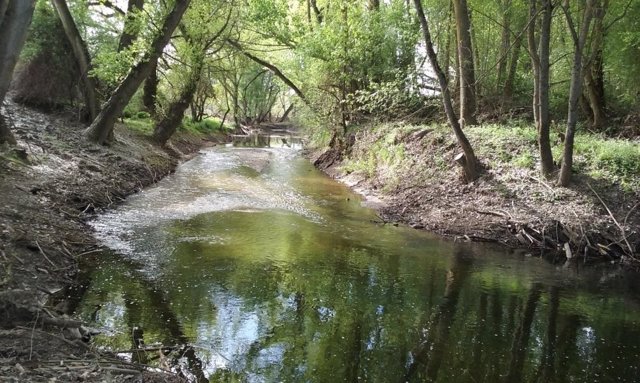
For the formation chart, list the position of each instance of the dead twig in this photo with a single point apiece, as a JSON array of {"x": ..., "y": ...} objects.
[
  {"x": 45, "y": 255},
  {"x": 622, "y": 231}
]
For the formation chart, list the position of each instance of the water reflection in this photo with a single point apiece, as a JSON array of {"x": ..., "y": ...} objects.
[{"x": 293, "y": 282}]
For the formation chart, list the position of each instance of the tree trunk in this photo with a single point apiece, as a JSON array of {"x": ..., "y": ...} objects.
[
  {"x": 173, "y": 118},
  {"x": 101, "y": 130},
  {"x": 81, "y": 55},
  {"x": 130, "y": 31},
  {"x": 467, "y": 70},
  {"x": 575, "y": 89},
  {"x": 273, "y": 70},
  {"x": 470, "y": 161},
  {"x": 150, "y": 90},
  {"x": 507, "y": 92},
  {"x": 4, "y": 4},
  {"x": 594, "y": 68},
  {"x": 15, "y": 19},
  {"x": 5, "y": 133},
  {"x": 546, "y": 157},
  {"x": 535, "y": 60},
  {"x": 505, "y": 44}
]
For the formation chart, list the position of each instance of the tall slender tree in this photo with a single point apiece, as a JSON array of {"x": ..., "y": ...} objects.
[
  {"x": 468, "y": 160},
  {"x": 579, "y": 41},
  {"x": 466, "y": 69}
]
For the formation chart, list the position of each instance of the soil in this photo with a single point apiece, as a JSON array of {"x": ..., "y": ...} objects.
[
  {"x": 50, "y": 185},
  {"x": 511, "y": 206}
]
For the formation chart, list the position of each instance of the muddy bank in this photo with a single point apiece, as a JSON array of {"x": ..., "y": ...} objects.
[
  {"x": 50, "y": 185},
  {"x": 409, "y": 175}
]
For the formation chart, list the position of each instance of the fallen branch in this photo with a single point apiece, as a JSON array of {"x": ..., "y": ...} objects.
[{"x": 631, "y": 252}]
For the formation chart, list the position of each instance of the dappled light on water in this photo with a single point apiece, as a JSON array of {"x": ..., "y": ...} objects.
[{"x": 265, "y": 270}]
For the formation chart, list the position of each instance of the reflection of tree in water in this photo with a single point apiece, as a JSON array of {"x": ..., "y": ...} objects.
[
  {"x": 429, "y": 353},
  {"x": 141, "y": 297}
]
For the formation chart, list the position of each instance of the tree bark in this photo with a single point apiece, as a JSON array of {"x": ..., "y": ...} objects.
[
  {"x": 467, "y": 70},
  {"x": 170, "y": 122},
  {"x": 507, "y": 92},
  {"x": 470, "y": 161},
  {"x": 535, "y": 60},
  {"x": 101, "y": 130},
  {"x": 81, "y": 55},
  {"x": 575, "y": 89},
  {"x": 150, "y": 90},
  {"x": 130, "y": 32},
  {"x": 15, "y": 21},
  {"x": 4, "y": 4},
  {"x": 594, "y": 68},
  {"x": 505, "y": 44},
  {"x": 546, "y": 157}
]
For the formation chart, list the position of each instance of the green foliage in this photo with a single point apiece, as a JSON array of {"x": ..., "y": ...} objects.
[
  {"x": 206, "y": 126},
  {"x": 383, "y": 158},
  {"x": 612, "y": 159},
  {"x": 140, "y": 125}
]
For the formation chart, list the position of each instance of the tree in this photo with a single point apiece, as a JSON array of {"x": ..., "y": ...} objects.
[
  {"x": 131, "y": 29},
  {"x": 539, "y": 50},
  {"x": 468, "y": 161},
  {"x": 198, "y": 41},
  {"x": 575, "y": 90},
  {"x": 466, "y": 68},
  {"x": 101, "y": 129},
  {"x": 15, "y": 17},
  {"x": 81, "y": 55},
  {"x": 594, "y": 67}
]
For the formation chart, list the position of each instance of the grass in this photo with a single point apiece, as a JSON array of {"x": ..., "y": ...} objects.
[
  {"x": 512, "y": 145},
  {"x": 142, "y": 123}
]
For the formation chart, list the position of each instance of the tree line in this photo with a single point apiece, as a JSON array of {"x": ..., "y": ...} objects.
[{"x": 334, "y": 63}]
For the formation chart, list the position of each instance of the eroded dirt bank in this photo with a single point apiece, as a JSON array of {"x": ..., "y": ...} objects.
[
  {"x": 49, "y": 186},
  {"x": 409, "y": 174}
]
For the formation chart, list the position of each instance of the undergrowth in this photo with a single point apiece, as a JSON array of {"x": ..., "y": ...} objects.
[{"x": 381, "y": 151}]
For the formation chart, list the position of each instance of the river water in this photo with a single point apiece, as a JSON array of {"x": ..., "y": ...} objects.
[{"x": 250, "y": 265}]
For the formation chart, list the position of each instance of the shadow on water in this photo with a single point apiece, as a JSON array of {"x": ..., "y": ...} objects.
[{"x": 312, "y": 290}]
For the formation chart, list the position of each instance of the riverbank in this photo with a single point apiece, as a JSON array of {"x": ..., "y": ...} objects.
[
  {"x": 50, "y": 185},
  {"x": 410, "y": 173}
]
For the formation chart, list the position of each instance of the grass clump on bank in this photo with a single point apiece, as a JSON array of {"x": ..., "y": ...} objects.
[{"x": 389, "y": 152}]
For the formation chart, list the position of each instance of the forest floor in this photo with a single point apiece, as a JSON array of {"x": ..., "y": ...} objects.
[
  {"x": 409, "y": 174},
  {"x": 50, "y": 185}
]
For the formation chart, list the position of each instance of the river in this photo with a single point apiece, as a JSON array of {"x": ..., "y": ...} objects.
[{"x": 248, "y": 264}]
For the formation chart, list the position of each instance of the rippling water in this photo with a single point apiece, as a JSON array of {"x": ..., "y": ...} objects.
[{"x": 255, "y": 267}]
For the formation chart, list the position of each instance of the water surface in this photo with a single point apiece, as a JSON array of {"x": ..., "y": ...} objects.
[{"x": 252, "y": 266}]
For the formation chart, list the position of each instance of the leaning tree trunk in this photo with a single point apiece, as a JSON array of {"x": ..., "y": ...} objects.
[
  {"x": 467, "y": 70},
  {"x": 546, "y": 157},
  {"x": 101, "y": 130},
  {"x": 15, "y": 17},
  {"x": 575, "y": 89},
  {"x": 469, "y": 161},
  {"x": 81, "y": 55},
  {"x": 173, "y": 118}
]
